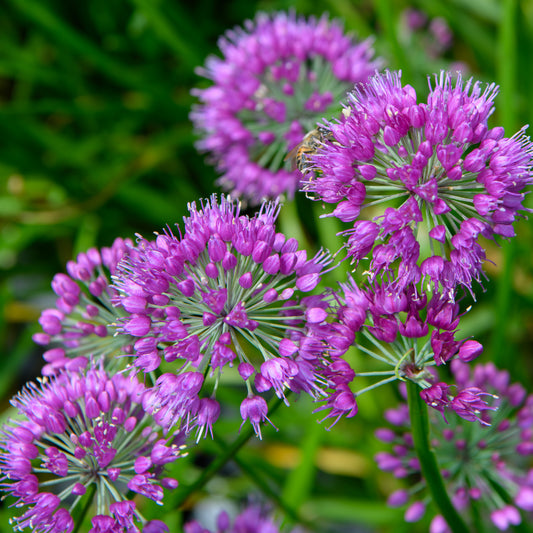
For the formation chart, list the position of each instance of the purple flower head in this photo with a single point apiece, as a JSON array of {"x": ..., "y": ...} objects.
[
  {"x": 253, "y": 519},
  {"x": 79, "y": 432},
  {"x": 485, "y": 466},
  {"x": 431, "y": 36},
  {"x": 229, "y": 293},
  {"x": 82, "y": 323},
  {"x": 443, "y": 176},
  {"x": 277, "y": 77},
  {"x": 407, "y": 334}
]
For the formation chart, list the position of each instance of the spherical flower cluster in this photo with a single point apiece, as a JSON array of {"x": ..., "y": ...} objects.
[
  {"x": 81, "y": 324},
  {"x": 230, "y": 290},
  {"x": 253, "y": 519},
  {"x": 278, "y": 76},
  {"x": 408, "y": 332},
  {"x": 445, "y": 177},
  {"x": 78, "y": 433},
  {"x": 486, "y": 467}
]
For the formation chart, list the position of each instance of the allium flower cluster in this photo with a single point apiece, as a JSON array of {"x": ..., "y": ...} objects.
[
  {"x": 230, "y": 291},
  {"x": 446, "y": 178},
  {"x": 486, "y": 467},
  {"x": 82, "y": 323},
  {"x": 278, "y": 76},
  {"x": 253, "y": 519},
  {"x": 410, "y": 333},
  {"x": 78, "y": 433}
]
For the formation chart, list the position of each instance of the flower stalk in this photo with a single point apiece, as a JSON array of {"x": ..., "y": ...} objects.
[
  {"x": 418, "y": 413},
  {"x": 222, "y": 458}
]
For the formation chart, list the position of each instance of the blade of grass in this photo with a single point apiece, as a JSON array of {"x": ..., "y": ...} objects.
[
  {"x": 299, "y": 482},
  {"x": 168, "y": 33},
  {"x": 70, "y": 39},
  {"x": 506, "y": 69},
  {"x": 387, "y": 17},
  {"x": 478, "y": 37}
]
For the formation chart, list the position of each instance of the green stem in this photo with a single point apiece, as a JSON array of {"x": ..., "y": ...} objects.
[
  {"x": 506, "y": 69},
  {"x": 88, "y": 500},
  {"x": 387, "y": 17},
  {"x": 229, "y": 453},
  {"x": 418, "y": 413},
  {"x": 290, "y": 223}
]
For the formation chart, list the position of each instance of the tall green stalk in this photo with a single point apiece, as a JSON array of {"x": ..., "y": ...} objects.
[
  {"x": 418, "y": 413},
  {"x": 506, "y": 71},
  {"x": 221, "y": 459}
]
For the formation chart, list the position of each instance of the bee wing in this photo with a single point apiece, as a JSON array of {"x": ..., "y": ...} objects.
[{"x": 292, "y": 156}]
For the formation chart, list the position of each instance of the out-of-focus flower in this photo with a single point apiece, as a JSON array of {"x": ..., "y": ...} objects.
[
  {"x": 440, "y": 30},
  {"x": 78, "y": 433},
  {"x": 414, "y": 19},
  {"x": 444, "y": 177},
  {"x": 230, "y": 291},
  {"x": 432, "y": 36},
  {"x": 278, "y": 76},
  {"x": 82, "y": 323},
  {"x": 486, "y": 467},
  {"x": 253, "y": 519}
]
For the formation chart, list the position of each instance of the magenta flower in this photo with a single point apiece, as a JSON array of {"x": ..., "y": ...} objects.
[
  {"x": 278, "y": 76},
  {"x": 229, "y": 292},
  {"x": 467, "y": 403},
  {"x": 82, "y": 323},
  {"x": 443, "y": 176},
  {"x": 80, "y": 432},
  {"x": 485, "y": 466}
]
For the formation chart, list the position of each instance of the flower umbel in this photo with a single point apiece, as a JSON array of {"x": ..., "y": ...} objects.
[
  {"x": 485, "y": 466},
  {"x": 81, "y": 324},
  {"x": 407, "y": 334},
  {"x": 230, "y": 291},
  {"x": 80, "y": 432},
  {"x": 278, "y": 76},
  {"x": 446, "y": 178}
]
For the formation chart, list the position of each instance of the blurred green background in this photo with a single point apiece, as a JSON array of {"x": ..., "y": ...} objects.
[{"x": 96, "y": 143}]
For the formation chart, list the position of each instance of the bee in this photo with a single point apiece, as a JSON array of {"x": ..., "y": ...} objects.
[{"x": 299, "y": 156}]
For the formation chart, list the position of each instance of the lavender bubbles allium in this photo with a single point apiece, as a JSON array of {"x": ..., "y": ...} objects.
[
  {"x": 79, "y": 436},
  {"x": 81, "y": 324},
  {"x": 406, "y": 335},
  {"x": 253, "y": 519},
  {"x": 229, "y": 291},
  {"x": 444, "y": 176},
  {"x": 278, "y": 76},
  {"x": 486, "y": 467}
]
